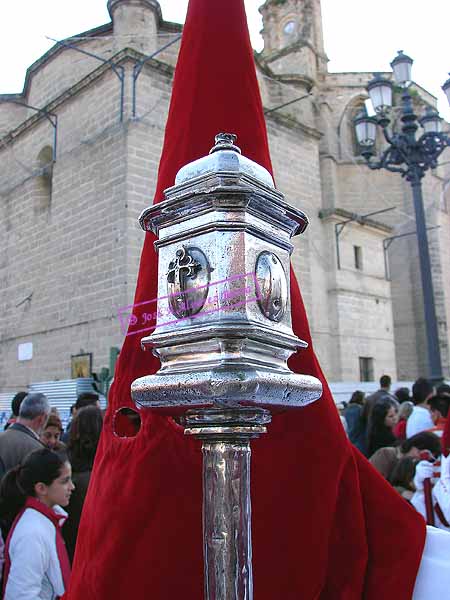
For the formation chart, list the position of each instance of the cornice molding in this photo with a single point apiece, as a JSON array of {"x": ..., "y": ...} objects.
[{"x": 85, "y": 82}]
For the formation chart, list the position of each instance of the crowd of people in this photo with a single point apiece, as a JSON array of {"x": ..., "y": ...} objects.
[
  {"x": 402, "y": 435},
  {"x": 44, "y": 473}
]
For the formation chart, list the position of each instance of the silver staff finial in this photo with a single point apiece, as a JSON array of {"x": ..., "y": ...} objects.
[{"x": 225, "y": 141}]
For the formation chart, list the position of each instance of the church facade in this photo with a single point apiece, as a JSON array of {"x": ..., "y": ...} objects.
[{"x": 80, "y": 148}]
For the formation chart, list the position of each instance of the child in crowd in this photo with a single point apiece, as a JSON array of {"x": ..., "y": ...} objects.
[{"x": 31, "y": 496}]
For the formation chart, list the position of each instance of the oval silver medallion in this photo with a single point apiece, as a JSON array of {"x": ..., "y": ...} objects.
[
  {"x": 271, "y": 286},
  {"x": 187, "y": 282}
]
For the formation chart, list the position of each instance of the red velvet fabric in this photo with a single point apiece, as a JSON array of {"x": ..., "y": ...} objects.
[
  {"x": 326, "y": 526},
  {"x": 446, "y": 438}
]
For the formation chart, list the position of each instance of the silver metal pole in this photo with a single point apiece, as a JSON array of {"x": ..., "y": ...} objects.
[{"x": 227, "y": 541}]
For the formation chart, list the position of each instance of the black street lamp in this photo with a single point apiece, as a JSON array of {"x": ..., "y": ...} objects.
[{"x": 411, "y": 156}]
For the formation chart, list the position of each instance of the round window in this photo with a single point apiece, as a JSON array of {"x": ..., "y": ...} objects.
[{"x": 289, "y": 28}]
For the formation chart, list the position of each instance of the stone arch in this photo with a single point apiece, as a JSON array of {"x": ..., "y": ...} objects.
[
  {"x": 44, "y": 179},
  {"x": 348, "y": 144}
]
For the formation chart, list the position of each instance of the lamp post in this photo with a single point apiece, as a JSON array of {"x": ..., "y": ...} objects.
[{"x": 410, "y": 155}]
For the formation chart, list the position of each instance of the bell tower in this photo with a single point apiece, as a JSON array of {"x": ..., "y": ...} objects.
[
  {"x": 135, "y": 23},
  {"x": 293, "y": 38}
]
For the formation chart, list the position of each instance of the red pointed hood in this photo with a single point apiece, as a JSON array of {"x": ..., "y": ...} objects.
[
  {"x": 207, "y": 97},
  {"x": 319, "y": 509}
]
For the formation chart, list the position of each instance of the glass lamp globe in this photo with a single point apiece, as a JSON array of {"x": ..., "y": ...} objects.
[
  {"x": 401, "y": 66},
  {"x": 365, "y": 129},
  {"x": 431, "y": 121},
  {"x": 380, "y": 92}
]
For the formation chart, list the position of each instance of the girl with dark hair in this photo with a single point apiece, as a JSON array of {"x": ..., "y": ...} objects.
[
  {"x": 31, "y": 496},
  {"x": 83, "y": 440},
  {"x": 383, "y": 418}
]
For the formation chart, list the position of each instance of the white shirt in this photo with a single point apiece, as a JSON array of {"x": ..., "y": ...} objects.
[
  {"x": 433, "y": 578},
  {"x": 35, "y": 572},
  {"x": 419, "y": 420},
  {"x": 441, "y": 491}
]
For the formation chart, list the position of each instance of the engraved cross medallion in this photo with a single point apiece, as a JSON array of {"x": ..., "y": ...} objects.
[{"x": 180, "y": 269}]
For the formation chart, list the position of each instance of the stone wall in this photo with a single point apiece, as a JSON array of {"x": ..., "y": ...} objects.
[
  {"x": 73, "y": 250},
  {"x": 68, "y": 256}
]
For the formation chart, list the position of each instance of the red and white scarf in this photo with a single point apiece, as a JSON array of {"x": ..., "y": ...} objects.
[{"x": 58, "y": 521}]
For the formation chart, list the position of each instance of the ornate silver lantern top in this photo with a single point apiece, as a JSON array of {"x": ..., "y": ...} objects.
[
  {"x": 223, "y": 332},
  {"x": 205, "y": 185},
  {"x": 224, "y": 156}
]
